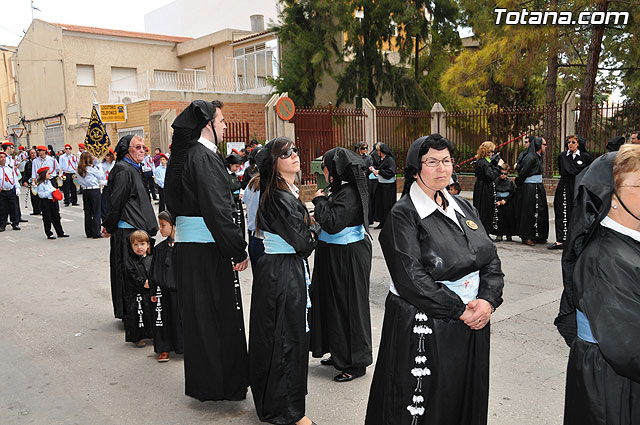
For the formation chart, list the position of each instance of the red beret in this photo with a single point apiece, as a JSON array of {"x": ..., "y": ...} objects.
[
  {"x": 164, "y": 156},
  {"x": 41, "y": 148},
  {"x": 3, "y": 153},
  {"x": 20, "y": 148},
  {"x": 111, "y": 151},
  {"x": 41, "y": 169},
  {"x": 7, "y": 143},
  {"x": 67, "y": 146},
  {"x": 81, "y": 145}
]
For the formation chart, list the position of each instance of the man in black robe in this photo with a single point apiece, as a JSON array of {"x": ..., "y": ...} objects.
[
  {"x": 533, "y": 215},
  {"x": 129, "y": 209},
  {"x": 207, "y": 241}
]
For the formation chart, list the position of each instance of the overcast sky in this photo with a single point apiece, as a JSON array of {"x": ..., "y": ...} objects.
[{"x": 113, "y": 14}]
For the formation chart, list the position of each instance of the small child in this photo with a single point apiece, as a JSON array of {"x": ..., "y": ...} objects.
[
  {"x": 49, "y": 204},
  {"x": 168, "y": 334},
  {"x": 138, "y": 319},
  {"x": 505, "y": 189},
  {"x": 454, "y": 189}
]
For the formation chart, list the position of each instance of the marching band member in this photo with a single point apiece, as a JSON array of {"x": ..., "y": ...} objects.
[
  {"x": 69, "y": 166},
  {"x": 49, "y": 197},
  {"x": 91, "y": 177},
  {"x": 159, "y": 173},
  {"x": 81, "y": 149},
  {"x": 10, "y": 189},
  {"x": 148, "y": 169},
  {"x": 43, "y": 160},
  {"x": 8, "y": 149}
]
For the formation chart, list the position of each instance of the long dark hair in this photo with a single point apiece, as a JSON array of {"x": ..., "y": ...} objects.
[
  {"x": 42, "y": 176},
  {"x": 86, "y": 160}
]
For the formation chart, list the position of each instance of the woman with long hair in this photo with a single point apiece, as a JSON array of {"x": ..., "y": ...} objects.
[
  {"x": 90, "y": 177},
  {"x": 484, "y": 190},
  {"x": 278, "y": 340}
]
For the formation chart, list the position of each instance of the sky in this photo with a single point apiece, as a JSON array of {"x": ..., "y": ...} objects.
[{"x": 114, "y": 14}]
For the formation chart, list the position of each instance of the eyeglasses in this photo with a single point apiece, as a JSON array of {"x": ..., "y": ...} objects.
[
  {"x": 289, "y": 152},
  {"x": 571, "y": 142},
  {"x": 67, "y": 149},
  {"x": 433, "y": 162},
  {"x": 138, "y": 148},
  {"x": 364, "y": 148},
  {"x": 505, "y": 174}
]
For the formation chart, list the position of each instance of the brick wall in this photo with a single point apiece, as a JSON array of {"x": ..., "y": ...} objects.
[{"x": 253, "y": 113}]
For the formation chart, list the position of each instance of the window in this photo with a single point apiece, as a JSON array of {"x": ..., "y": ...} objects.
[
  {"x": 394, "y": 28},
  {"x": 85, "y": 75},
  {"x": 124, "y": 79},
  {"x": 255, "y": 64},
  {"x": 133, "y": 131}
]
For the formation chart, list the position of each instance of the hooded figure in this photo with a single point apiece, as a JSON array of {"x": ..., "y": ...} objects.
[
  {"x": 533, "y": 220},
  {"x": 128, "y": 208},
  {"x": 278, "y": 339},
  {"x": 235, "y": 186},
  {"x": 614, "y": 144},
  {"x": 433, "y": 361},
  {"x": 571, "y": 162},
  {"x": 386, "y": 192},
  {"x": 206, "y": 242},
  {"x": 340, "y": 316},
  {"x": 252, "y": 169}
]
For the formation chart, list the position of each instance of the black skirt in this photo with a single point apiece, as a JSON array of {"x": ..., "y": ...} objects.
[
  {"x": 118, "y": 258},
  {"x": 340, "y": 317},
  {"x": 385, "y": 197},
  {"x": 167, "y": 323},
  {"x": 138, "y": 320},
  {"x": 449, "y": 369},
  {"x": 533, "y": 213}
]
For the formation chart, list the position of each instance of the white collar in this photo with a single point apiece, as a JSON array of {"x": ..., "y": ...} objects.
[
  {"x": 576, "y": 153},
  {"x": 229, "y": 171},
  {"x": 294, "y": 189},
  {"x": 207, "y": 144},
  {"x": 614, "y": 225},
  {"x": 426, "y": 206}
]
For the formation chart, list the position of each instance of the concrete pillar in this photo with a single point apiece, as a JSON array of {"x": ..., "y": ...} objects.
[
  {"x": 275, "y": 127},
  {"x": 370, "y": 129},
  {"x": 438, "y": 121}
]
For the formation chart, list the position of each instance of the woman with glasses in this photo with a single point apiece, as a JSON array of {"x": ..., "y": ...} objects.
[
  {"x": 340, "y": 319},
  {"x": 279, "y": 322},
  {"x": 603, "y": 372},
  {"x": 446, "y": 280},
  {"x": 362, "y": 149},
  {"x": 484, "y": 190},
  {"x": 386, "y": 191},
  {"x": 532, "y": 209},
  {"x": 571, "y": 162}
]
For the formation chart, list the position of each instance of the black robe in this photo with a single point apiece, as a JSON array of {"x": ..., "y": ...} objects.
[
  {"x": 215, "y": 351},
  {"x": 340, "y": 316},
  {"x": 238, "y": 211},
  {"x": 128, "y": 200},
  {"x": 506, "y": 212},
  {"x": 532, "y": 209},
  {"x": 484, "y": 193},
  {"x": 453, "y": 358},
  {"x": 563, "y": 200},
  {"x": 139, "y": 316},
  {"x": 372, "y": 185},
  {"x": 386, "y": 193},
  {"x": 168, "y": 335},
  {"x": 278, "y": 341},
  {"x": 603, "y": 379}
]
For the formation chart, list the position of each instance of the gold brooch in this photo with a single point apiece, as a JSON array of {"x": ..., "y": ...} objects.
[{"x": 471, "y": 225}]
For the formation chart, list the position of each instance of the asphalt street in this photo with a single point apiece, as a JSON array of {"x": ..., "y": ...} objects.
[{"x": 63, "y": 359}]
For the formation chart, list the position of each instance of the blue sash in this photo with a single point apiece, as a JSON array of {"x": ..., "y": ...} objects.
[
  {"x": 192, "y": 229},
  {"x": 503, "y": 194},
  {"x": 466, "y": 287},
  {"x": 344, "y": 237},
  {"x": 237, "y": 192},
  {"x": 383, "y": 180},
  {"x": 274, "y": 244},
  {"x": 373, "y": 177},
  {"x": 584, "y": 328},
  {"x": 534, "y": 179},
  {"x": 124, "y": 225}
]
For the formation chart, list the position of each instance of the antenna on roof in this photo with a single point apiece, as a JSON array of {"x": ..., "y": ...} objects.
[{"x": 33, "y": 8}]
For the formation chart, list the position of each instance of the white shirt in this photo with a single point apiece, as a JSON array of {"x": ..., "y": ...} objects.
[
  {"x": 68, "y": 163},
  {"x": 10, "y": 178},
  {"x": 573, "y": 154},
  {"x": 614, "y": 225},
  {"x": 160, "y": 173},
  {"x": 425, "y": 206},
  {"x": 48, "y": 161},
  {"x": 207, "y": 144},
  {"x": 147, "y": 164}
]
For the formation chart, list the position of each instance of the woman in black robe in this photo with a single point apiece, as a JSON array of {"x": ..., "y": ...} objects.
[
  {"x": 532, "y": 209},
  {"x": 129, "y": 208},
  {"x": 278, "y": 333},
  {"x": 207, "y": 241},
  {"x": 233, "y": 162},
  {"x": 505, "y": 203},
  {"x": 372, "y": 180},
  {"x": 603, "y": 372},
  {"x": 446, "y": 279},
  {"x": 386, "y": 191},
  {"x": 571, "y": 162},
  {"x": 484, "y": 189},
  {"x": 340, "y": 316}
]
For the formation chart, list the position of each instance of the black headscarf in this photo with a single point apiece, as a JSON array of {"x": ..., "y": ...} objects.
[
  {"x": 615, "y": 143},
  {"x": 122, "y": 148},
  {"x": 263, "y": 160},
  {"x": 233, "y": 158},
  {"x": 346, "y": 165},
  {"x": 253, "y": 153},
  {"x": 582, "y": 143},
  {"x": 385, "y": 149},
  {"x": 413, "y": 163}
]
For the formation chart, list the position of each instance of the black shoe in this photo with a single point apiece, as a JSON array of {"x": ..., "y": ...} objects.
[
  {"x": 51, "y": 237},
  {"x": 15, "y": 227},
  {"x": 97, "y": 237},
  {"x": 498, "y": 239},
  {"x": 66, "y": 204},
  {"x": 63, "y": 236},
  {"x": 509, "y": 239},
  {"x": 22, "y": 220},
  {"x": 345, "y": 376},
  {"x": 556, "y": 245},
  {"x": 327, "y": 362}
]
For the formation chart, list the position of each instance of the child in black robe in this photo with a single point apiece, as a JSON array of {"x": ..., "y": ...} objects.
[
  {"x": 505, "y": 191},
  {"x": 138, "y": 319},
  {"x": 167, "y": 327}
]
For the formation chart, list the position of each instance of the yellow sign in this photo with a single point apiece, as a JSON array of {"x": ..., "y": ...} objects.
[{"x": 113, "y": 112}]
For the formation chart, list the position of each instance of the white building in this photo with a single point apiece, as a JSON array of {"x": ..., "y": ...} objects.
[{"x": 195, "y": 18}]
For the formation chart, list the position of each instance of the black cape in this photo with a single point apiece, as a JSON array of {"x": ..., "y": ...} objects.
[
  {"x": 340, "y": 316},
  {"x": 569, "y": 168},
  {"x": 420, "y": 252},
  {"x": 278, "y": 341},
  {"x": 385, "y": 193},
  {"x": 138, "y": 320},
  {"x": 532, "y": 208},
  {"x": 603, "y": 379},
  {"x": 215, "y": 354},
  {"x": 484, "y": 193},
  {"x": 507, "y": 212},
  {"x": 238, "y": 212}
]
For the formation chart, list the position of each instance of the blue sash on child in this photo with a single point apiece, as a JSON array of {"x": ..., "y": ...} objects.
[{"x": 344, "y": 237}]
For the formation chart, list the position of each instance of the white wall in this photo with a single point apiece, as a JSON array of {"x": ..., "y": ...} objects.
[{"x": 195, "y": 18}]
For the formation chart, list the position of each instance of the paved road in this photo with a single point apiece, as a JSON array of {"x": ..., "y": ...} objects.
[{"x": 64, "y": 360}]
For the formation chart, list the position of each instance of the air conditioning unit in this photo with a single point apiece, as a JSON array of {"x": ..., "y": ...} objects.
[{"x": 126, "y": 100}]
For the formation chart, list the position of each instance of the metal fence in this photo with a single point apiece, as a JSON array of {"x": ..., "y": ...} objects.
[
  {"x": 321, "y": 129},
  {"x": 607, "y": 121},
  {"x": 398, "y": 128},
  {"x": 237, "y": 131}
]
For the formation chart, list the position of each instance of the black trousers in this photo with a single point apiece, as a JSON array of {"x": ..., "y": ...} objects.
[
  {"x": 51, "y": 215},
  {"x": 150, "y": 182},
  {"x": 69, "y": 190},
  {"x": 8, "y": 207},
  {"x": 35, "y": 203},
  {"x": 161, "y": 206},
  {"x": 103, "y": 202},
  {"x": 92, "y": 212}
]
